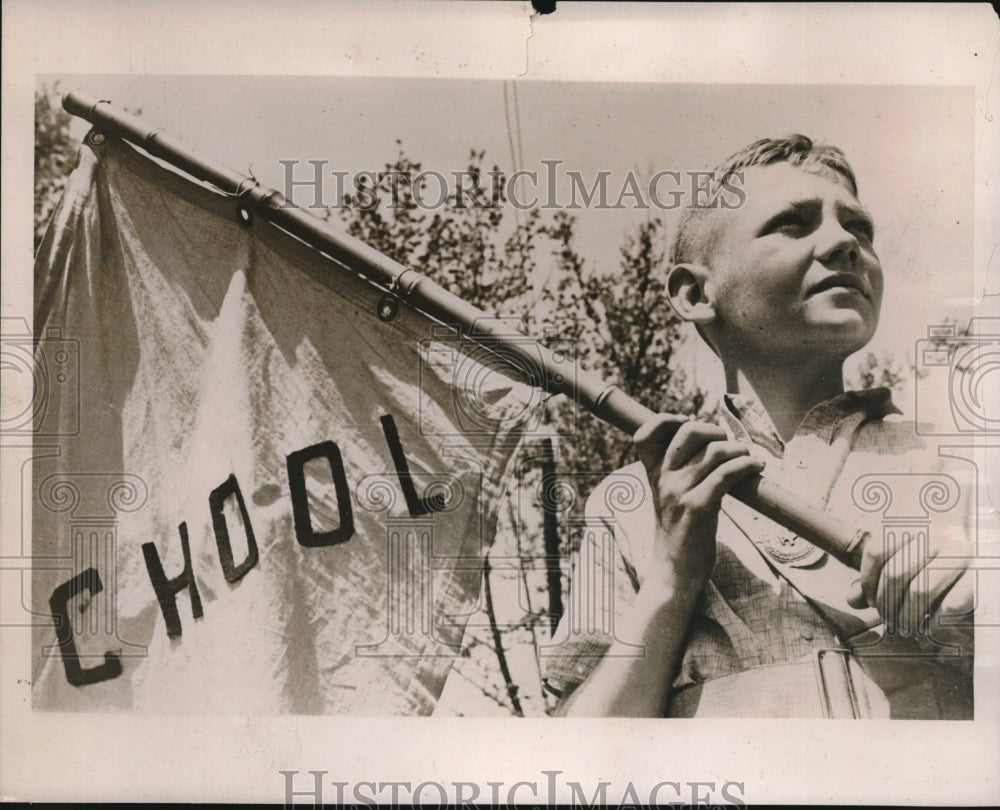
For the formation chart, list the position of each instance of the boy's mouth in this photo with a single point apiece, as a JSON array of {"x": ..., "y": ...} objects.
[{"x": 841, "y": 280}]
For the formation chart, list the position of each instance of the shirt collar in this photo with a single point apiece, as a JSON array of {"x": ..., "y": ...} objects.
[{"x": 747, "y": 417}]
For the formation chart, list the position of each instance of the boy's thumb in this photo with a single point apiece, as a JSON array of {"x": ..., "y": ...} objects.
[{"x": 856, "y": 597}]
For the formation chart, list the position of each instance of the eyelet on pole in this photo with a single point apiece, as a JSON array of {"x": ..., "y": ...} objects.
[
  {"x": 387, "y": 308},
  {"x": 243, "y": 190}
]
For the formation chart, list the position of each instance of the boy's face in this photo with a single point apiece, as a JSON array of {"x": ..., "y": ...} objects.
[{"x": 793, "y": 270}]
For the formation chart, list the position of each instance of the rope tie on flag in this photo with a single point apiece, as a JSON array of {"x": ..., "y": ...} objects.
[
  {"x": 249, "y": 182},
  {"x": 388, "y": 305},
  {"x": 147, "y": 142},
  {"x": 398, "y": 288},
  {"x": 243, "y": 212}
]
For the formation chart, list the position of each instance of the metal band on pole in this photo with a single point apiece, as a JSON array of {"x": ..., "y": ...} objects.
[{"x": 607, "y": 403}]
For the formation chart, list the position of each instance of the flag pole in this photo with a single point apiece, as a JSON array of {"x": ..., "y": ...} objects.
[{"x": 606, "y": 402}]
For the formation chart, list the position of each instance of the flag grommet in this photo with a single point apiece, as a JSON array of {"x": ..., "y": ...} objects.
[
  {"x": 244, "y": 215},
  {"x": 387, "y": 308}
]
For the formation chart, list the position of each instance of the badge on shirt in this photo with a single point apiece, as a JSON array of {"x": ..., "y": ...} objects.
[{"x": 783, "y": 546}]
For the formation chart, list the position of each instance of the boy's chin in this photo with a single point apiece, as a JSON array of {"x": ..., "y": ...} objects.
[{"x": 845, "y": 335}]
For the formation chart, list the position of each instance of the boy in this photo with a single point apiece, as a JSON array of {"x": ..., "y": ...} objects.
[{"x": 717, "y": 610}]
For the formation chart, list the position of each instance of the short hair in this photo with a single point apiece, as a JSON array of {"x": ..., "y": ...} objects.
[{"x": 692, "y": 241}]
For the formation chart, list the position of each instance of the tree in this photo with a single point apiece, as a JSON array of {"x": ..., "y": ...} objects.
[
  {"x": 55, "y": 156},
  {"x": 470, "y": 249},
  {"x": 877, "y": 371},
  {"x": 625, "y": 330}
]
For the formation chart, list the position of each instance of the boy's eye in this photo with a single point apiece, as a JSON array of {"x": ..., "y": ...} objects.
[{"x": 787, "y": 223}]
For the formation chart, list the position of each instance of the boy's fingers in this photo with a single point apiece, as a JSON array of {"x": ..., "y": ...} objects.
[
  {"x": 907, "y": 589},
  {"x": 722, "y": 479},
  {"x": 653, "y": 437},
  {"x": 856, "y": 597},
  {"x": 718, "y": 451},
  {"x": 690, "y": 439},
  {"x": 935, "y": 591},
  {"x": 956, "y": 596},
  {"x": 876, "y": 553},
  {"x": 706, "y": 461},
  {"x": 659, "y": 429},
  {"x": 897, "y": 577}
]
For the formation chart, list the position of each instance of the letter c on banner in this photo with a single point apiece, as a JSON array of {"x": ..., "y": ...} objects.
[{"x": 88, "y": 580}]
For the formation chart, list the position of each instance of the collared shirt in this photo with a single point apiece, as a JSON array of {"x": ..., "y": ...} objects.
[{"x": 771, "y": 598}]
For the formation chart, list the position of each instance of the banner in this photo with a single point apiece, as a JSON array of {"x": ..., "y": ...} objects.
[{"x": 260, "y": 483}]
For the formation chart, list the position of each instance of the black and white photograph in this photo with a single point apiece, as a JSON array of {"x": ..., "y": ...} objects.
[{"x": 478, "y": 403}]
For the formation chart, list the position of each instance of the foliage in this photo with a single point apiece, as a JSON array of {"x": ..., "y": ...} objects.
[
  {"x": 55, "y": 156},
  {"x": 877, "y": 371},
  {"x": 625, "y": 331}
]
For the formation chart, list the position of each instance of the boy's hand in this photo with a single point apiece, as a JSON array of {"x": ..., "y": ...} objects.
[
  {"x": 690, "y": 466},
  {"x": 911, "y": 582}
]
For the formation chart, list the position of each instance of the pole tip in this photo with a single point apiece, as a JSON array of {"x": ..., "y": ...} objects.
[{"x": 80, "y": 104}]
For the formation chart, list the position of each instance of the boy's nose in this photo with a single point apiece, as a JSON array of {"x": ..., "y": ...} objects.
[{"x": 836, "y": 243}]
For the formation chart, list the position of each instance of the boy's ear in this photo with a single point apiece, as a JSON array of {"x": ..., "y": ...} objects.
[{"x": 689, "y": 289}]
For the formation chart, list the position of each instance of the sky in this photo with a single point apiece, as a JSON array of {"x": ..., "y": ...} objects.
[{"x": 911, "y": 148}]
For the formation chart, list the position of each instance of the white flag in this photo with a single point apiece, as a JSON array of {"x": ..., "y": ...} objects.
[{"x": 260, "y": 484}]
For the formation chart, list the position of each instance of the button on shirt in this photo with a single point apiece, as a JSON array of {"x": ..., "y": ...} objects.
[{"x": 771, "y": 598}]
